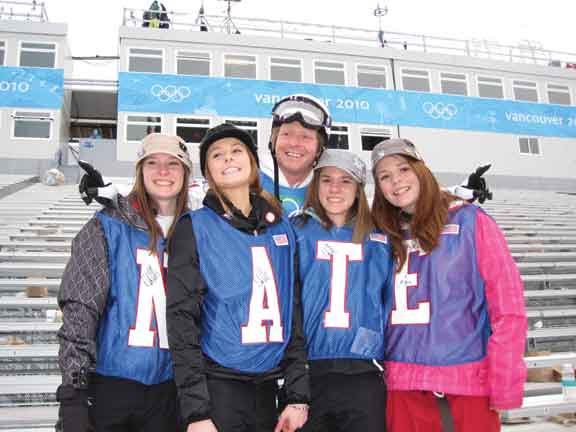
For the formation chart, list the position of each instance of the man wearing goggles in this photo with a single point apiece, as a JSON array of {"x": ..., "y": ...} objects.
[{"x": 300, "y": 126}]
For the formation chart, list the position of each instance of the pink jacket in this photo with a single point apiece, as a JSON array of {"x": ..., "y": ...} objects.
[{"x": 502, "y": 373}]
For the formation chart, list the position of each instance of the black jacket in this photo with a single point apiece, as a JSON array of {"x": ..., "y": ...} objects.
[
  {"x": 185, "y": 291},
  {"x": 84, "y": 291}
]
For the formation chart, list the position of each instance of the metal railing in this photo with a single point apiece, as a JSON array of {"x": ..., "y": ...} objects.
[
  {"x": 524, "y": 52},
  {"x": 23, "y": 11}
]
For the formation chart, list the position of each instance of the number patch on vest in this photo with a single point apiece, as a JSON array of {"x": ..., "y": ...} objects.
[
  {"x": 264, "y": 320},
  {"x": 151, "y": 302},
  {"x": 402, "y": 314},
  {"x": 339, "y": 254}
]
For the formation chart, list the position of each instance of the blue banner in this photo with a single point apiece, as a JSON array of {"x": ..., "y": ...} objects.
[
  {"x": 31, "y": 87},
  {"x": 191, "y": 95}
]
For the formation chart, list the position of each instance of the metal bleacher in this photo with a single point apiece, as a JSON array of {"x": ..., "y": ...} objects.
[
  {"x": 540, "y": 228},
  {"x": 38, "y": 223}
]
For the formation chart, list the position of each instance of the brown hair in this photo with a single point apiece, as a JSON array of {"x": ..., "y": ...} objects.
[
  {"x": 429, "y": 217},
  {"x": 254, "y": 181},
  {"x": 359, "y": 210},
  {"x": 147, "y": 207}
]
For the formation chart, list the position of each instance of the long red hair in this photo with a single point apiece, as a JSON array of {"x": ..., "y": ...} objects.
[{"x": 427, "y": 221}]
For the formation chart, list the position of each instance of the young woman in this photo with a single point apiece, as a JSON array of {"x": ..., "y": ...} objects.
[
  {"x": 345, "y": 270},
  {"x": 457, "y": 329},
  {"x": 234, "y": 319},
  {"x": 113, "y": 300}
]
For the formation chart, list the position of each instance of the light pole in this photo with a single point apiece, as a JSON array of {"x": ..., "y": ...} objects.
[
  {"x": 380, "y": 12},
  {"x": 228, "y": 24}
]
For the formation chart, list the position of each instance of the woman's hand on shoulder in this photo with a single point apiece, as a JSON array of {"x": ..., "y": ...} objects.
[
  {"x": 292, "y": 418},
  {"x": 202, "y": 426}
]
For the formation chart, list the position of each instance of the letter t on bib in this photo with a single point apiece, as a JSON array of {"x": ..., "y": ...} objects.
[{"x": 339, "y": 254}]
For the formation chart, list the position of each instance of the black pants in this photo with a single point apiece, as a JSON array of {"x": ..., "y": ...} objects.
[
  {"x": 239, "y": 406},
  {"x": 347, "y": 403},
  {"x": 120, "y": 405}
]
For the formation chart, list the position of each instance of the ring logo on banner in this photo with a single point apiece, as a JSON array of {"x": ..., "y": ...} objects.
[
  {"x": 170, "y": 93},
  {"x": 440, "y": 110}
]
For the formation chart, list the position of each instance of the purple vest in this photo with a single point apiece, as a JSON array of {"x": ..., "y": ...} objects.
[{"x": 439, "y": 313}]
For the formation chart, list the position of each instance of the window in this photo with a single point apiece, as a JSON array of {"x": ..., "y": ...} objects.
[
  {"x": 2, "y": 52},
  {"x": 249, "y": 126},
  {"x": 416, "y": 80},
  {"x": 145, "y": 60},
  {"x": 239, "y": 66},
  {"x": 453, "y": 83},
  {"x": 329, "y": 73},
  {"x": 192, "y": 63},
  {"x": 192, "y": 130},
  {"x": 559, "y": 94},
  {"x": 138, "y": 126},
  {"x": 371, "y": 76},
  {"x": 35, "y": 125},
  {"x": 525, "y": 91},
  {"x": 37, "y": 54},
  {"x": 338, "y": 138},
  {"x": 371, "y": 137},
  {"x": 529, "y": 145},
  {"x": 490, "y": 88},
  {"x": 283, "y": 69}
]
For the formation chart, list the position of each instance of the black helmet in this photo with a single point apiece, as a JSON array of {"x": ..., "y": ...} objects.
[{"x": 225, "y": 130}]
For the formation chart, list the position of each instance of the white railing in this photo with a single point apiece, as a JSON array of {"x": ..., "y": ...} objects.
[
  {"x": 23, "y": 11},
  {"x": 525, "y": 52}
]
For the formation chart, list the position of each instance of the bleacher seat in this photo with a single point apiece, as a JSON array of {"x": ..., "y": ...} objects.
[{"x": 541, "y": 233}]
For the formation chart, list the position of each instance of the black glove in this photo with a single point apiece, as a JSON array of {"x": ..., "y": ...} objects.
[
  {"x": 478, "y": 185},
  {"x": 73, "y": 415},
  {"x": 89, "y": 184}
]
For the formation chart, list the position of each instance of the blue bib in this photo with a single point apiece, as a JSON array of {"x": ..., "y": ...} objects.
[
  {"x": 247, "y": 309},
  {"x": 343, "y": 289},
  {"x": 131, "y": 343}
]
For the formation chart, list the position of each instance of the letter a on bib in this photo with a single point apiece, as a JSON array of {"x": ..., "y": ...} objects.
[{"x": 264, "y": 321}]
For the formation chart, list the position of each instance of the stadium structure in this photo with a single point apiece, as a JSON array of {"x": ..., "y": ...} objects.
[{"x": 463, "y": 103}]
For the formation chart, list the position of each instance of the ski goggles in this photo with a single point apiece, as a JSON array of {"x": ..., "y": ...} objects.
[{"x": 303, "y": 109}]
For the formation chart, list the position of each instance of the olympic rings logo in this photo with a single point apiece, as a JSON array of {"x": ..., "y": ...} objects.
[
  {"x": 170, "y": 93},
  {"x": 290, "y": 202},
  {"x": 440, "y": 110}
]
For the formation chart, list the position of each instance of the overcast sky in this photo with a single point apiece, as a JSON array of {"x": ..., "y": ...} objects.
[{"x": 93, "y": 25}]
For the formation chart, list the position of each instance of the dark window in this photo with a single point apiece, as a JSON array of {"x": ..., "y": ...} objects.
[{"x": 338, "y": 138}]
